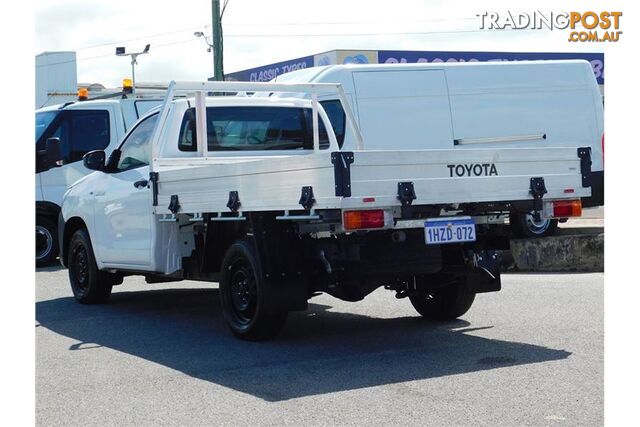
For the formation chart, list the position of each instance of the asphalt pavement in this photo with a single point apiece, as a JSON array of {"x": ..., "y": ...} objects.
[{"x": 531, "y": 354}]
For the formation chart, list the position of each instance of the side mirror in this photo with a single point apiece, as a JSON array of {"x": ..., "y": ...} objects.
[
  {"x": 94, "y": 160},
  {"x": 53, "y": 153}
]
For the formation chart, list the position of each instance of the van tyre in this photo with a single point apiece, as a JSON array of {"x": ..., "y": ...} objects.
[
  {"x": 243, "y": 295},
  {"x": 46, "y": 241},
  {"x": 526, "y": 226},
  {"x": 446, "y": 303},
  {"x": 89, "y": 285}
]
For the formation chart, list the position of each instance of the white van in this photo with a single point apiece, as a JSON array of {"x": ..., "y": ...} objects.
[
  {"x": 73, "y": 129},
  {"x": 472, "y": 105}
]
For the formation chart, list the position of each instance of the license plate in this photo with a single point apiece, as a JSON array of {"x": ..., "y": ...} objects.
[{"x": 449, "y": 230}]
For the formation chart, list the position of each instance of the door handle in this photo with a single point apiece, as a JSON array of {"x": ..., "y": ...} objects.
[{"x": 141, "y": 184}]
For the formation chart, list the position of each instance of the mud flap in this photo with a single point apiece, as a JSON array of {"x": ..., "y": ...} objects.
[
  {"x": 485, "y": 276},
  {"x": 281, "y": 262},
  {"x": 285, "y": 295}
]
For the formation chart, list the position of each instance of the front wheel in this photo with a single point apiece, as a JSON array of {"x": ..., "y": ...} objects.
[
  {"x": 525, "y": 225},
  {"x": 89, "y": 285},
  {"x": 446, "y": 303},
  {"x": 46, "y": 241},
  {"x": 243, "y": 295}
]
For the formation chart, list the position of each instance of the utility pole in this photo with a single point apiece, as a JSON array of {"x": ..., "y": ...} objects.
[{"x": 216, "y": 21}]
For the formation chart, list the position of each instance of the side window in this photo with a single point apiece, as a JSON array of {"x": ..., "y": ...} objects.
[
  {"x": 136, "y": 149},
  {"x": 43, "y": 120},
  {"x": 248, "y": 129},
  {"x": 61, "y": 131},
  {"x": 187, "y": 140},
  {"x": 58, "y": 129},
  {"x": 89, "y": 131},
  {"x": 322, "y": 131},
  {"x": 336, "y": 116}
]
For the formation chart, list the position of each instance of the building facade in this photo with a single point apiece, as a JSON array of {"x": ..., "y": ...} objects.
[{"x": 56, "y": 78}]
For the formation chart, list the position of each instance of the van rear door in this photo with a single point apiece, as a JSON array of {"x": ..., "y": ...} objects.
[
  {"x": 403, "y": 109},
  {"x": 521, "y": 105}
]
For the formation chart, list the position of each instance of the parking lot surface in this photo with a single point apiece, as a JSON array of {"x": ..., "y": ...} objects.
[{"x": 160, "y": 354}]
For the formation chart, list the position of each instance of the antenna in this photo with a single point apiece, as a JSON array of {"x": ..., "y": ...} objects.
[{"x": 121, "y": 51}]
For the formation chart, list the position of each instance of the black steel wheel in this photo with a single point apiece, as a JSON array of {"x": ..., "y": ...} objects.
[
  {"x": 243, "y": 293},
  {"x": 89, "y": 285},
  {"x": 46, "y": 241},
  {"x": 446, "y": 303}
]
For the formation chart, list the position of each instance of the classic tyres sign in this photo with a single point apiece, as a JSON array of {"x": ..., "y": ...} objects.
[{"x": 270, "y": 71}]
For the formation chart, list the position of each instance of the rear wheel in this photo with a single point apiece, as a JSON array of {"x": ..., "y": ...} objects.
[
  {"x": 525, "y": 225},
  {"x": 46, "y": 241},
  {"x": 243, "y": 295},
  {"x": 446, "y": 303},
  {"x": 89, "y": 285}
]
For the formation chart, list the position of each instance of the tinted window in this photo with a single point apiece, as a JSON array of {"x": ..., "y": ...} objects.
[
  {"x": 79, "y": 132},
  {"x": 89, "y": 131},
  {"x": 136, "y": 149},
  {"x": 43, "y": 120},
  {"x": 249, "y": 129},
  {"x": 61, "y": 131},
  {"x": 336, "y": 117},
  {"x": 322, "y": 131}
]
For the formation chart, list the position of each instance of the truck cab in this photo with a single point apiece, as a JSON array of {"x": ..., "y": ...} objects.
[{"x": 64, "y": 134}]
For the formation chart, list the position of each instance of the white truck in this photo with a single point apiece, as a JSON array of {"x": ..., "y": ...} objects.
[
  {"x": 66, "y": 133},
  {"x": 277, "y": 206}
]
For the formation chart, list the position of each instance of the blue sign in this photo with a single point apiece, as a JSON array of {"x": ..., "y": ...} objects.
[
  {"x": 271, "y": 71},
  {"x": 411, "y": 56}
]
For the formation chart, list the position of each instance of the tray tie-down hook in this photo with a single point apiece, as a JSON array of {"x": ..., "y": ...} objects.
[
  {"x": 306, "y": 197},
  {"x": 406, "y": 195},
  {"x": 234, "y": 201},
  {"x": 174, "y": 204},
  {"x": 537, "y": 189}
]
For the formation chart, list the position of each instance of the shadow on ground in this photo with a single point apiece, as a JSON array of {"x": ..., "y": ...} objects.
[
  {"x": 50, "y": 268},
  {"x": 319, "y": 351}
]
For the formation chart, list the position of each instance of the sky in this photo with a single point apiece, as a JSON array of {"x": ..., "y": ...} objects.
[{"x": 258, "y": 32}]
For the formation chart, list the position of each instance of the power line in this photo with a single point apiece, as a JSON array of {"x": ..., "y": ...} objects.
[
  {"x": 110, "y": 54},
  {"x": 269, "y": 24},
  {"x": 224, "y": 7},
  {"x": 416, "y": 33},
  {"x": 284, "y": 24},
  {"x": 140, "y": 38}
]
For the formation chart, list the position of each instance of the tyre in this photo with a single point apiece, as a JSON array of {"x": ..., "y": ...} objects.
[
  {"x": 525, "y": 225},
  {"x": 243, "y": 295},
  {"x": 447, "y": 303},
  {"x": 46, "y": 241},
  {"x": 89, "y": 285}
]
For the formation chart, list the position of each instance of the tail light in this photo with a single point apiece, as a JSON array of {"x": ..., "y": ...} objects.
[
  {"x": 360, "y": 220},
  {"x": 603, "y": 150},
  {"x": 563, "y": 209}
]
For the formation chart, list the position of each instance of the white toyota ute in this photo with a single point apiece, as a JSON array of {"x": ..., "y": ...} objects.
[{"x": 285, "y": 198}]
